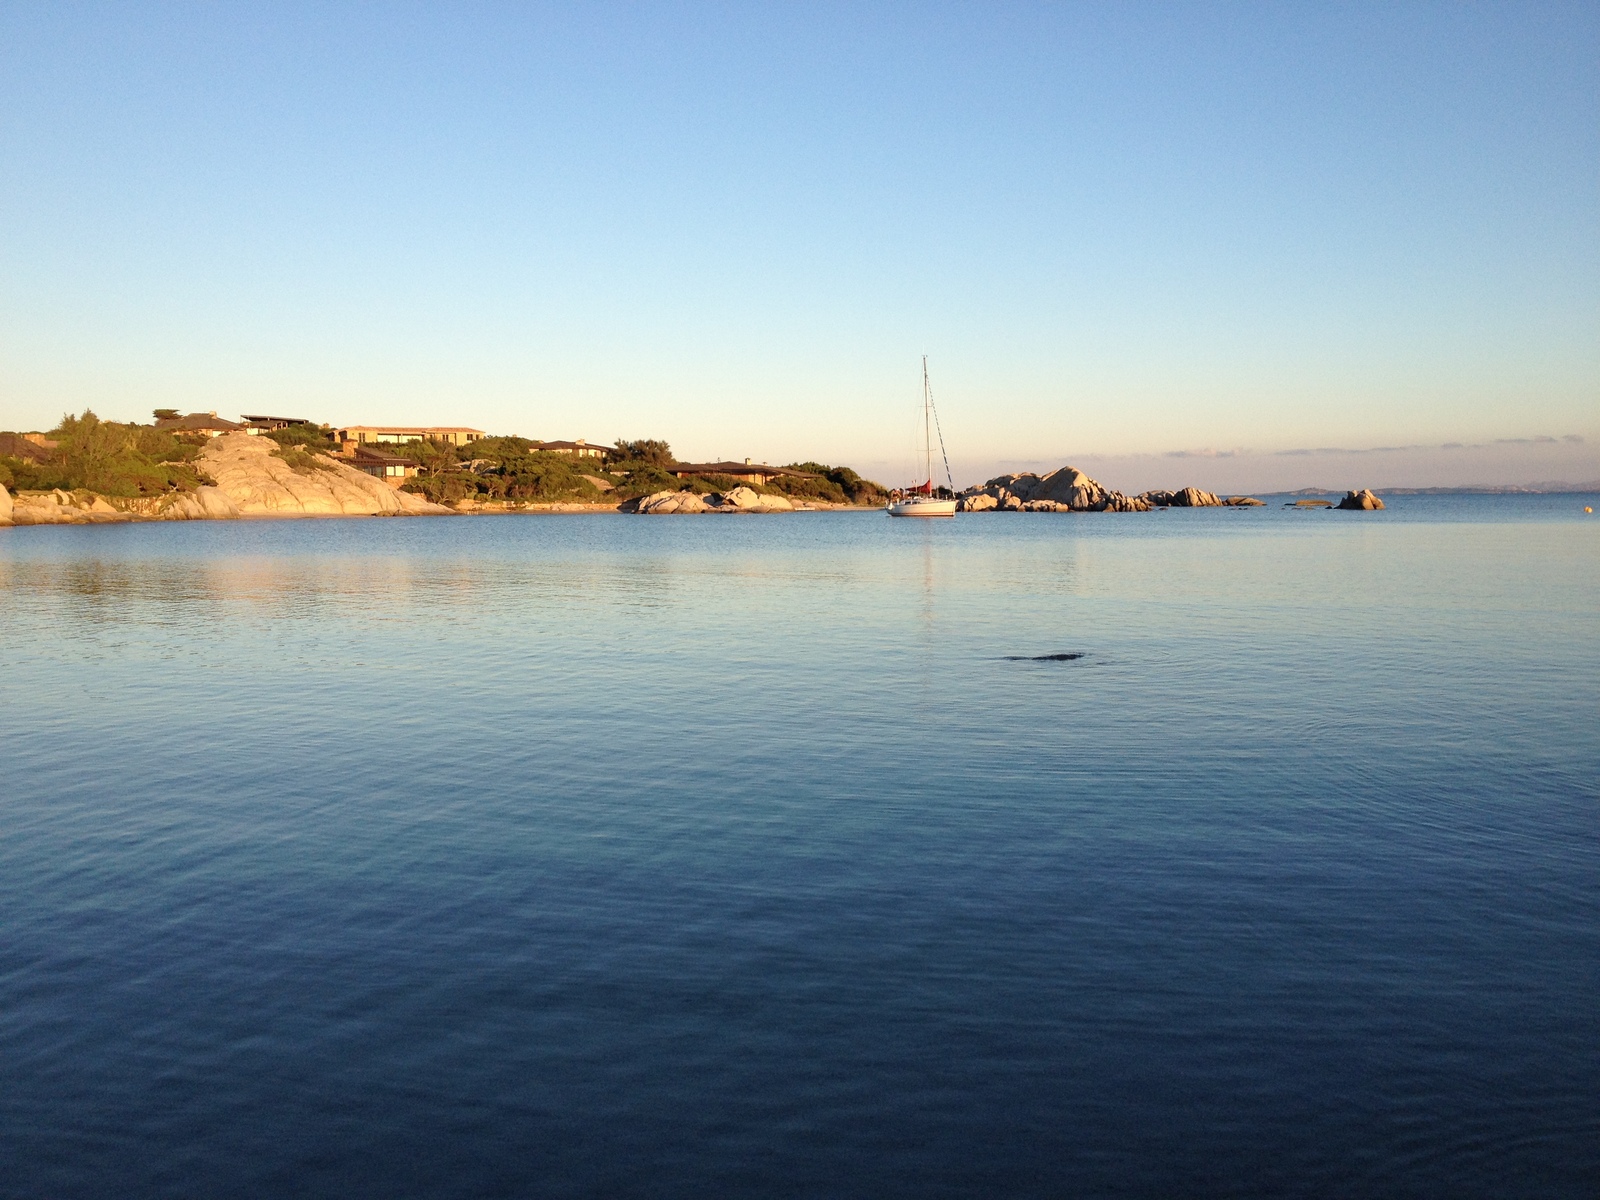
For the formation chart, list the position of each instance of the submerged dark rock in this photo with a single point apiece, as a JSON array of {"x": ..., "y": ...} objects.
[{"x": 1042, "y": 657}]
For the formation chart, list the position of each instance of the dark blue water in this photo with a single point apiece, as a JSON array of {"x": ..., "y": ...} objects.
[{"x": 685, "y": 856}]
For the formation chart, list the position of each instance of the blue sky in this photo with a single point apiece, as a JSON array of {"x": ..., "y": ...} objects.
[{"x": 1119, "y": 231}]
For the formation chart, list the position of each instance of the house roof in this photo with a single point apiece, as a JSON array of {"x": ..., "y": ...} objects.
[
  {"x": 14, "y": 445},
  {"x": 409, "y": 429},
  {"x": 735, "y": 468},
  {"x": 260, "y": 420},
  {"x": 365, "y": 454},
  {"x": 196, "y": 422},
  {"x": 580, "y": 444}
]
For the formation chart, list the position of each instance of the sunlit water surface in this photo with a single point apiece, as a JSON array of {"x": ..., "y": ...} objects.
[{"x": 682, "y": 856}]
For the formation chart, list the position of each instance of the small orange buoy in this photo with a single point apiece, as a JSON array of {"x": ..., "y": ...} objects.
[{"x": 1587, "y": 509}]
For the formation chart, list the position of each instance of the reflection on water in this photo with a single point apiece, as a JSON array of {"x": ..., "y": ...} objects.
[{"x": 599, "y": 855}]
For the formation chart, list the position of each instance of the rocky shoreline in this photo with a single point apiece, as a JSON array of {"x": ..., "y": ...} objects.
[
  {"x": 1070, "y": 490},
  {"x": 736, "y": 500},
  {"x": 250, "y": 478}
]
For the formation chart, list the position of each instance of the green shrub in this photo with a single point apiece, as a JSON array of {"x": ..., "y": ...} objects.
[
  {"x": 498, "y": 448},
  {"x": 304, "y": 462},
  {"x": 838, "y": 484},
  {"x": 443, "y": 488},
  {"x": 638, "y": 478},
  {"x": 110, "y": 458},
  {"x": 653, "y": 451},
  {"x": 313, "y": 437}
]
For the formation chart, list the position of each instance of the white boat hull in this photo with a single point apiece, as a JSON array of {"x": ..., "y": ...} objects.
[{"x": 919, "y": 506}]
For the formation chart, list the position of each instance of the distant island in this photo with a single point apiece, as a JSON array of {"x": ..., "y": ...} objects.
[{"x": 1553, "y": 487}]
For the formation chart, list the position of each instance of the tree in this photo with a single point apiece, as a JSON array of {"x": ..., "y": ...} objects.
[
  {"x": 436, "y": 457},
  {"x": 88, "y": 446},
  {"x": 648, "y": 450},
  {"x": 166, "y": 414}
]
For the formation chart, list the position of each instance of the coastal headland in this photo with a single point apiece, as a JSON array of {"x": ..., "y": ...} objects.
[{"x": 201, "y": 467}]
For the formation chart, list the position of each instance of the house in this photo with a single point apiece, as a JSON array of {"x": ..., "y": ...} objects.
[
  {"x": 390, "y": 468},
  {"x": 260, "y": 424},
  {"x": 745, "y": 472},
  {"x": 203, "y": 425},
  {"x": 363, "y": 435},
  {"x": 577, "y": 449},
  {"x": 33, "y": 447}
]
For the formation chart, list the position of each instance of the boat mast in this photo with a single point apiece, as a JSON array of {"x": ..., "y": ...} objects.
[{"x": 927, "y": 433}]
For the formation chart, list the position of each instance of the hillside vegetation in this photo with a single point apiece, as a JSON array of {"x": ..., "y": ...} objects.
[
  {"x": 511, "y": 468},
  {"x": 130, "y": 460},
  {"x": 107, "y": 457}
]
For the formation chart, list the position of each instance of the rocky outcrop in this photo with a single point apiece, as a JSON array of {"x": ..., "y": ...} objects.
[
  {"x": 662, "y": 503},
  {"x": 743, "y": 499},
  {"x": 1364, "y": 500},
  {"x": 1189, "y": 497},
  {"x": 251, "y": 480},
  {"x": 5, "y": 506},
  {"x": 202, "y": 504},
  {"x": 1070, "y": 490},
  {"x": 63, "y": 508},
  {"x": 1066, "y": 490},
  {"x": 738, "y": 500},
  {"x": 257, "y": 481},
  {"x": 1244, "y": 502},
  {"x": 1117, "y": 502}
]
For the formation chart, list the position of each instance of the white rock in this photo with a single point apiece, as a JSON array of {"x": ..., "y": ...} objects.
[
  {"x": 180, "y": 506},
  {"x": 51, "y": 508},
  {"x": 662, "y": 503},
  {"x": 252, "y": 478},
  {"x": 214, "y": 504}
]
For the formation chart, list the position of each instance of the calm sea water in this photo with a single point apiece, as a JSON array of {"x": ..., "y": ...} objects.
[{"x": 682, "y": 856}]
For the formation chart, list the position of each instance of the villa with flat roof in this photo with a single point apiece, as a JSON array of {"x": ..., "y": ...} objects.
[
  {"x": 265, "y": 424},
  {"x": 207, "y": 425},
  {"x": 745, "y": 472},
  {"x": 578, "y": 449},
  {"x": 455, "y": 435},
  {"x": 390, "y": 468}
]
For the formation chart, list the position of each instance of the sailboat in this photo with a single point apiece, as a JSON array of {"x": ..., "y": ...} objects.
[{"x": 925, "y": 500}]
